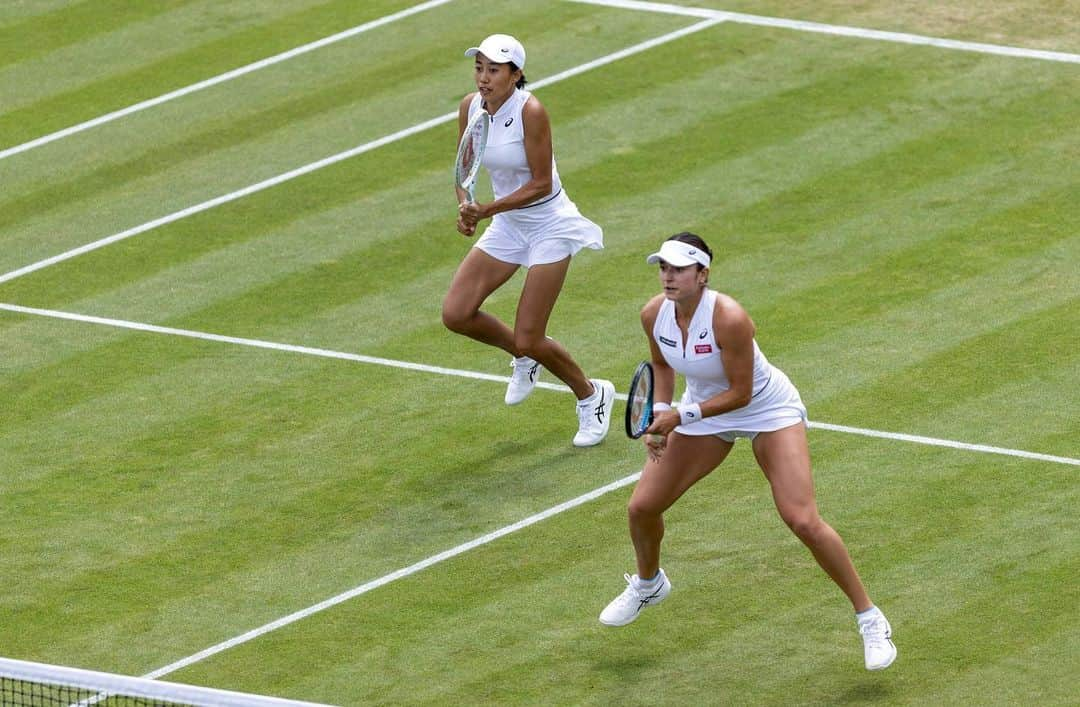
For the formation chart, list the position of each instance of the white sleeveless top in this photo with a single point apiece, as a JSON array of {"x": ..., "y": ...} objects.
[
  {"x": 698, "y": 358},
  {"x": 504, "y": 158}
]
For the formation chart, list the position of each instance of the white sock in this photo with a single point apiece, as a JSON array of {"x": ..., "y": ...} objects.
[{"x": 595, "y": 392}]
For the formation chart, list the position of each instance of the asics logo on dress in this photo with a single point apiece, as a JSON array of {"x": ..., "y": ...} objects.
[
  {"x": 507, "y": 123},
  {"x": 703, "y": 334}
]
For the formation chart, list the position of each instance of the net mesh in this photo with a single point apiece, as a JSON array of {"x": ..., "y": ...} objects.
[
  {"x": 26, "y": 684},
  {"x": 22, "y": 693}
]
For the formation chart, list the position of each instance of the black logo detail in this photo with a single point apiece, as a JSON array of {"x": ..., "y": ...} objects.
[
  {"x": 667, "y": 342},
  {"x": 703, "y": 334},
  {"x": 507, "y": 123},
  {"x": 532, "y": 373},
  {"x": 692, "y": 252},
  {"x": 600, "y": 408}
]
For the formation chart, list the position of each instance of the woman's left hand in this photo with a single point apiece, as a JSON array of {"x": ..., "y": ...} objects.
[
  {"x": 664, "y": 422},
  {"x": 471, "y": 212}
]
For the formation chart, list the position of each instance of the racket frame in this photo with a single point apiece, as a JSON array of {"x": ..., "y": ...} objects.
[
  {"x": 644, "y": 372},
  {"x": 480, "y": 120}
]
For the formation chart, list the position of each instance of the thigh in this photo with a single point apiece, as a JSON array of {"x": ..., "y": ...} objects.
[
  {"x": 476, "y": 278},
  {"x": 685, "y": 461},
  {"x": 784, "y": 458},
  {"x": 543, "y": 283}
]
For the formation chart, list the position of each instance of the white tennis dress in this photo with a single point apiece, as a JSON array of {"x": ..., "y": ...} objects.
[
  {"x": 775, "y": 403},
  {"x": 545, "y": 231}
]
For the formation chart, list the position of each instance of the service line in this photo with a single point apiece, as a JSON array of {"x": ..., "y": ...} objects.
[{"x": 440, "y": 370}]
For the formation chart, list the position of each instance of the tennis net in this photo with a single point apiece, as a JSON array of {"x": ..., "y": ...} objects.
[{"x": 26, "y": 684}]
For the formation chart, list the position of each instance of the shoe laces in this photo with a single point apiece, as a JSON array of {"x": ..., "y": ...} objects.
[
  {"x": 631, "y": 595},
  {"x": 522, "y": 371},
  {"x": 875, "y": 631}
]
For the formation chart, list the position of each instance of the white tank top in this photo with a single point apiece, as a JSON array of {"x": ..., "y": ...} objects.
[
  {"x": 504, "y": 158},
  {"x": 698, "y": 358}
]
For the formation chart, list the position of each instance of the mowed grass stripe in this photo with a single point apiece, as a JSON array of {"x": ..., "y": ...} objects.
[
  {"x": 563, "y": 655},
  {"x": 73, "y": 24},
  {"x": 403, "y": 641},
  {"x": 199, "y": 460},
  {"x": 228, "y": 40},
  {"x": 152, "y": 190}
]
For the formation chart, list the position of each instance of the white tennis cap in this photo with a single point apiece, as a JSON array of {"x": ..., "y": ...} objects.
[
  {"x": 679, "y": 254},
  {"x": 500, "y": 48}
]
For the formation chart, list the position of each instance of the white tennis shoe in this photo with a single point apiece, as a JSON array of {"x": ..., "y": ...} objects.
[
  {"x": 878, "y": 648},
  {"x": 637, "y": 595},
  {"x": 594, "y": 414},
  {"x": 522, "y": 380}
]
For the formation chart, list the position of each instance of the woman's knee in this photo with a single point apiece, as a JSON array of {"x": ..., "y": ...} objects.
[
  {"x": 455, "y": 317},
  {"x": 643, "y": 509},
  {"x": 807, "y": 525},
  {"x": 529, "y": 344}
]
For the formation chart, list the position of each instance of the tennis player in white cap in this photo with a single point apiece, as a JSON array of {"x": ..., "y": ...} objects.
[
  {"x": 732, "y": 392},
  {"x": 534, "y": 225}
]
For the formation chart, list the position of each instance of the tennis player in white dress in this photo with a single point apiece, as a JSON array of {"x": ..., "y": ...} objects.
[
  {"x": 732, "y": 392},
  {"x": 534, "y": 225}
]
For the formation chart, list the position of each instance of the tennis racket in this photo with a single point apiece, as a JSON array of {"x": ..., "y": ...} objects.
[
  {"x": 471, "y": 151},
  {"x": 639, "y": 413}
]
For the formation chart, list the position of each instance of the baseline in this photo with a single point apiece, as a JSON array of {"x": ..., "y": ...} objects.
[{"x": 839, "y": 30}]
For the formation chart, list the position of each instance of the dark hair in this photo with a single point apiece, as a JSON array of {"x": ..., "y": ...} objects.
[
  {"x": 694, "y": 240},
  {"x": 520, "y": 82}
]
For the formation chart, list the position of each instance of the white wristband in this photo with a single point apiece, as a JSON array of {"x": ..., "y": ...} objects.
[
  {"x": 689, "y": 413},
  {"x": 661, "y": 407}
]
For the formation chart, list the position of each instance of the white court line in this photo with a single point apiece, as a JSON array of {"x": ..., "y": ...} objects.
[
  {"x": 840, "y": 30},
  {"x": 483, "y": 540},
  {"x": 221, "y": 78},
  {"x": 359, "y": 358},
  {"x": 398, "y": 574},
  {"x": 334, "y": 159}
]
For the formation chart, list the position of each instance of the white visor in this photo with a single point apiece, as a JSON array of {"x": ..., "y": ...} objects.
[{"x": 679, "y": 254}]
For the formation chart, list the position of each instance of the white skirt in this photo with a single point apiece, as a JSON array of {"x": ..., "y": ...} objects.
[
  {"x": 543, "y": 233},
  {"x": 776, "y": 406}
]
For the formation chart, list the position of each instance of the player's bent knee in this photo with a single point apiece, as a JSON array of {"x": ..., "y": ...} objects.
[
  {"x": 455, "y": 318},
  {"x": 529, "y": 345},
  {"x": 641, "y": 509},
  {"x": 808, "y": 528}
]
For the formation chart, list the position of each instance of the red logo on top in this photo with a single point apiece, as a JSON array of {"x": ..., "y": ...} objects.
[{"x": 702, "y": 348}]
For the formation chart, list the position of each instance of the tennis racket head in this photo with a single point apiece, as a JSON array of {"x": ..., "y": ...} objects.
[
  {"x": 639, "y": 402},
  {"x": 471, "y": 152}
]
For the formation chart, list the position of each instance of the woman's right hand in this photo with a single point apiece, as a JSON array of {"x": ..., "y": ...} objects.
[{"x": 465, "y": 229}]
